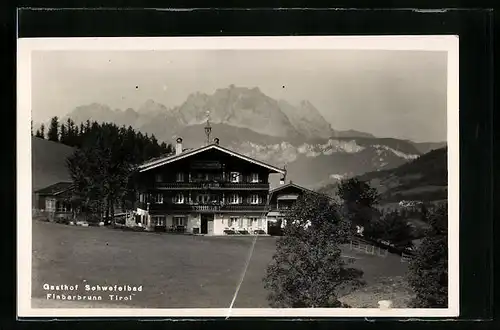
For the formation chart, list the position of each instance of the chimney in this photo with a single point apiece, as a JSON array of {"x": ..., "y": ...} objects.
[
  {"x": 178, "y": 146},
  {"x": 283, "y": 178},
  {"x": 216, "y": 141}
]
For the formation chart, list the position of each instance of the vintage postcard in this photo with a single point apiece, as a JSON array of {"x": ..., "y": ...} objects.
[{"x": 246, "y": 176}]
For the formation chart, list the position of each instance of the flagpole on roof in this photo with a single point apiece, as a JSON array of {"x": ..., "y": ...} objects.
[{"x": 208, "y": 128}]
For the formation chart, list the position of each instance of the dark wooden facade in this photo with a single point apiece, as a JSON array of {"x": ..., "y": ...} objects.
[
  {"x": 52, "y": 202},
  {"x": 214, "y": 184}
]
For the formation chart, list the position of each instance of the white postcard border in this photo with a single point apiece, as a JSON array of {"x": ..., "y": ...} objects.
[{"x": 448, "y": 43}]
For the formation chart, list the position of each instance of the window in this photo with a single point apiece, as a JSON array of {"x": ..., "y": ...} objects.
[
  {"x": 253, "y": 221},
  {"x": 254, "y": 177},
  {"x": 180, "y": 221},
  {"x": 179, "y": 199},
  {"x": 62, "y": 207},
  {"x": 158, "y": 198},
  {"x": 142, "y": 198},
  {"x": 249, "y": 222},
  {"x": 159, "y": 220},
  {"x": 235, "y": 177},
  {"x": 259, "y": 222},
  {"x": 179, "y": 177},
  {"x": 233, "y": 221},
  {"x": 255, "y": 199},
  {"x": 203, "y": 198},
  {"x": 50, "y": 204},
  {"x": 158, "y": 178},
  {"x": 234, "y": 199},
  {"x": 240, "y": 223}
]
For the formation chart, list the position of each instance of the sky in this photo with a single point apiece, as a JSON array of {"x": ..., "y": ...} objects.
[{"x": 389, "y": 93}]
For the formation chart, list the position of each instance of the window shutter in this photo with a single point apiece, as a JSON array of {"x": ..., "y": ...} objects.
[{"x": 240, "y": 199}]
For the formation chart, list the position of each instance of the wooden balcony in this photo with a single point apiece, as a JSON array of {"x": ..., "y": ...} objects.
[
  {"x": 208, "y": 208},
  {"x": 211, "y": 186},
  {"x": 282, "y": 209}
]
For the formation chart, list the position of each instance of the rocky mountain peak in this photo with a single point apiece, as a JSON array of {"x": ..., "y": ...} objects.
[
  {"x": 237, "y": 106},
  {"x": 151, "y": 106}
]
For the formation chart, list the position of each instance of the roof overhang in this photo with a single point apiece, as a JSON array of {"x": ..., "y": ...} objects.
[
  {"x": 288, "y": 185},
  {"x": 288, "y": 197},
  {"x": 171, "y": 159},
  {"x": 41, "y": 191}
]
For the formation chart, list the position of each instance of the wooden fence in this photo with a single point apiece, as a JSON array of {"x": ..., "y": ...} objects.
[
  {"x": 365, "y": 247},
  {"x": 360, "y": 246}
]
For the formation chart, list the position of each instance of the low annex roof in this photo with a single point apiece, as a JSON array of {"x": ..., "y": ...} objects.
[
  {"x": 291, "y": 184},
  {"x": 55, "y": 189},
  {"x": 172, "y": 158}
]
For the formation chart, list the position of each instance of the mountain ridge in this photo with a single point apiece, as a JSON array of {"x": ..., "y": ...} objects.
[
  {"x": 424, "y": 179},
  {"x": 226, "y": 105},
  {"x": 248, "y": 121}
]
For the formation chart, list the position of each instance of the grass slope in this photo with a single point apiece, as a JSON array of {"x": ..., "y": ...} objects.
[
  {"x": 425, "y": 179},
  {"x": 48, "y": 161},
  {"x": 176, "y": 271}
]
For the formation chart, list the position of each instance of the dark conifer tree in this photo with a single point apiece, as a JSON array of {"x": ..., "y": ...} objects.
[
  {"x": 53, "y": 133},
  {"x": 42, "y": 131},
  {"x": 63, "y": 135}
]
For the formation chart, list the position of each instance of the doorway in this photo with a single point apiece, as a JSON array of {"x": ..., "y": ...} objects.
[{"x": 207, "y": 223}]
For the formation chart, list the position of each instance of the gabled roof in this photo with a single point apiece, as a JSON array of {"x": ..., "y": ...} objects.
[
  {"x": 55, "y": 189},
  {"x": 172, "y": 158},
  {"x": 288, "y": 185},
  {"x": 291, "y": 184}
]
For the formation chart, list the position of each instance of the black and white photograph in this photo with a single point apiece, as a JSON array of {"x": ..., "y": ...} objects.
[{"x": 245, "y": 176}]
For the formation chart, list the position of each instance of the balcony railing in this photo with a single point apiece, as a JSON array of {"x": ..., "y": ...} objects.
[
  {"x": 204, "y": 207},
  {"x": 211, "y": 185},
  {"x": 279, "y": 209}
]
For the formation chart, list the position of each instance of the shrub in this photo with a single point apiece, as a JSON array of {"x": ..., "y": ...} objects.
[
  {"x": 428, "y": 271},
  {"x": 393, "y": 227},
  {"x": 359, "y": 201},
  {"x": 307, "y": 269}
]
